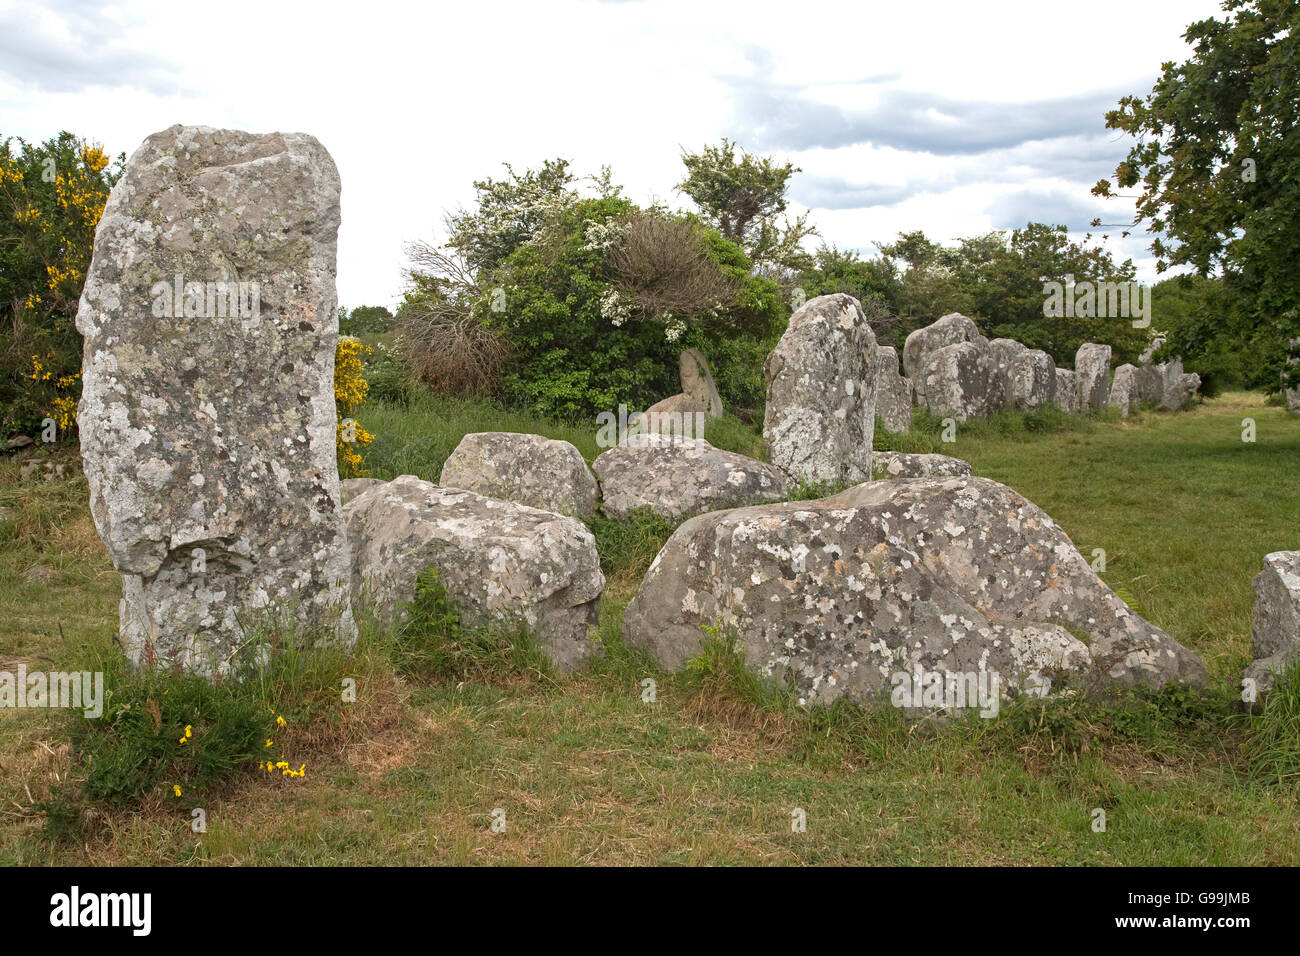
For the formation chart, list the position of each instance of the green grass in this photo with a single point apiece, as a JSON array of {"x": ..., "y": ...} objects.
[{"x": 588, "y": 772}]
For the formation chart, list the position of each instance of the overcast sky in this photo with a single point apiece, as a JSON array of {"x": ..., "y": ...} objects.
[{"x": 954, "y": 118}]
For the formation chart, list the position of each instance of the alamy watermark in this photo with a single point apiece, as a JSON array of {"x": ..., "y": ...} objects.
[
  {"x": 217, "y": 299},
  {"x": 72, "y": 690},
  {"x": 947, "y": 690},
  {"x": 1102, "y": 300},
  {"x": 615, "y": 430}
]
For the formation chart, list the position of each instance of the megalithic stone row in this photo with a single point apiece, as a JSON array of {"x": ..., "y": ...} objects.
[{"x": 207, "y": 416}]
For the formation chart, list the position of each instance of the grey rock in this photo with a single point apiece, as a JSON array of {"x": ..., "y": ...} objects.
[
  {"x": 1032, "y": 380},
  {"x": 1092, "y": 364},
  {"x": 1002, "y": 353},
  {"x": 698, "y": 394},
  {"x": 531, "y": 470},
  {"x": 1150, "y": 384},
  {"x": 895, "y": 464},
  {"x": 1067, "y": 391},
  {"x": 954, "y": 575},
  {"x": 677, "y": 478},
  {"x": 19, "y": 441},
  {"x": 209, "y": 438},
  {"x": 1178, "y": 387},
  {"x": 349, "y": 488},
  {"x": 952, "y": 329},
  {"x": 503, "y": 564},
  {"x": 893, "y": 393},
  {"x": 1126, "y": 390},
  {"x": 821, "y": 393},
  {"x": 955, "y": 381},
  {"x": 1275, "y": 631}
]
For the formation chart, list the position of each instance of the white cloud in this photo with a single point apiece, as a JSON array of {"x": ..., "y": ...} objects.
[{"x": 948, "y": 118}]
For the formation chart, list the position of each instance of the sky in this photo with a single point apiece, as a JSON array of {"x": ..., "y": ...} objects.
[{"x": 955, "y": 118}]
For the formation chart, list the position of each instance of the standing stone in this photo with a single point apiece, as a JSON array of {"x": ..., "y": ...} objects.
[
  {"x": 1067, "y": 391},
  {"x": 1151, "y": 384},
  {"x": 1092, "y": 364},
  {"x": 821, "y": 393},
  {"x": 893, "y": 393},
  {"x": 1292, "y": 395},
  {"x": 1275, "y": 631},
  {"x": 953, "y": 329},
  {"x": 698, "y": 393},
  {"x": 1178, "y": 387},
  {"x": 955, "y": 381},
  {"x": 1125, "y": 391},
  {"x": 1002, "y": 353},
  {"x": 207, "y": 413},
  {"x": 531, "y": 470},
  {"x": 1032, "y": 380}
]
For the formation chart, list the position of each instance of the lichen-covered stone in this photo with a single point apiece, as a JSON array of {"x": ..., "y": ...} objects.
[
  {"x": 1275, "y": 631},
  {"x": 1178, "y": 387},
  {"x": 503, "y": 564},
  {"x": 1092, "y": 364},
  {"x": 897, "y": 464},
  {"x": 698, "y": 391},
  {"x": 349, "y": 488},
  {"x": 1125, "y": 390},
  {"x": 676, "y": 478},
  {"x": 1031, "y": 380},
  {"x": 207, "y": 417},
  {"x": 531, "y": 470},
  {"x": 821, "y": 393},
  {"x": 1067, "y": 391},
  {"x": 952, "y": 329},
  {"x": 1150, "y": 384},
  {"x": 893, "y": 393},
  {"x": 1002, "y": 353},
  {"x": 955, "y": 381},
  {"x": 946, "y": 574}
]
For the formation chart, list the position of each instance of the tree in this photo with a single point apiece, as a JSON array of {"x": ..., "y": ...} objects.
[
  {"x": 1217, "y": 161},
  {"x": 374, "y": 319},
  {"x": 508, "y": 212},
  {"x": 742, "y": 198},
  {"x": 51, "y": 198}
]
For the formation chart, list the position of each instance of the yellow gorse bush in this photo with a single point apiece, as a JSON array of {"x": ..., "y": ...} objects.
[{"x": 350, "y": 391}]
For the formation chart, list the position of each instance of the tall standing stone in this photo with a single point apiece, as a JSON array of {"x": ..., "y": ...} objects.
[
  {"x": 1067, "y": 391},
  {"x": 1002, "y": 353},
  {"x": 952, "y": 329},
  {"x": 1125, "y": 390},
  {"x": 207, "y": 413},
  {"x": 893, "y": 393},
  {"x": 955, "y": 381},
  {"x": 821, "y": 393},
  {"x": 1092, "y": 364},
  {"x": 1031, "y": 382}
]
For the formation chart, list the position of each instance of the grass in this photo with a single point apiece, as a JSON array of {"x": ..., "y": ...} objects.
[{"x": 588, "y": 771}]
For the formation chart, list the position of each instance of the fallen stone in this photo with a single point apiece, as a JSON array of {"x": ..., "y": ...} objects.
[
  {"x": 349, "y": 488},
  {"x": 531, "y": 470},
  {"x": 503, "y": 564},
  {"x": 676, "y": 478},
  {"x": 207, "y": 416},
  {"x": 895, "y": 464},
  {"x": 821, "y": 393},
  {"x": 839, "y": 596}
]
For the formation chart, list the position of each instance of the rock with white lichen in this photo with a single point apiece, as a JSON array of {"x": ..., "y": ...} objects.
[
  {"x": 207, "y": 417},
  {"x": 950, "y": 575}
]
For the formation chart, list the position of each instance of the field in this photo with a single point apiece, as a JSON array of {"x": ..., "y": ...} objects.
[{"x": 711, "y": 772}]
